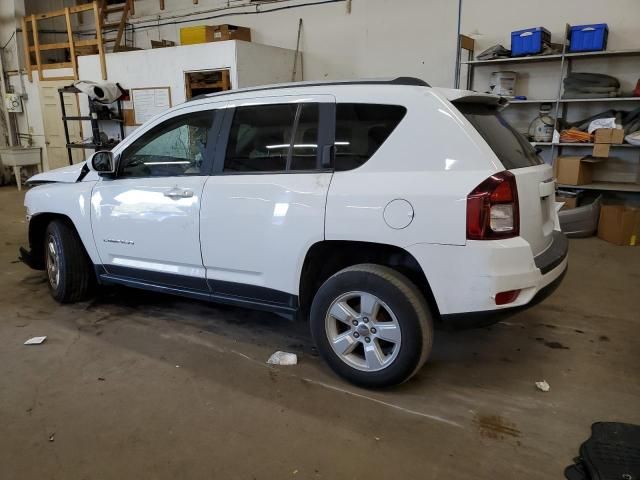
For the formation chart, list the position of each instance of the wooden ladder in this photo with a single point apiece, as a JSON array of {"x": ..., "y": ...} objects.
[{"x": 110, "y": 26}]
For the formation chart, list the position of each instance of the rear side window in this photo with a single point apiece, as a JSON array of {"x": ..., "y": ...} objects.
[
  {"x": 510, "y": 146},
  {"x": 273, "y": 138},
  {"x": 361, "y": 128}
]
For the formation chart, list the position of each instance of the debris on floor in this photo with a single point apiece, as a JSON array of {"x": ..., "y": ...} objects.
[
  {"x": 35, "y": 340},
  {"x": 283, "y": 358},
  {"x": 52, "y": 437},
  {"x": 543, "y": 386}
]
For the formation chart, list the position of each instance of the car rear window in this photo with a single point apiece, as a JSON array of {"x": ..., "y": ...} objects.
[{"x": 510, "y": 146}]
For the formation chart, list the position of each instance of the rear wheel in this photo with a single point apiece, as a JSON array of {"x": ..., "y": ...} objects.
[
  {"x": 372, "y": 325},
  {"x": 69, "y": 269}
]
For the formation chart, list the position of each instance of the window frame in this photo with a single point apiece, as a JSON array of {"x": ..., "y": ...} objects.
[
  {"x": 326, "y": 134},
  {"x": 218, "y": 113}
]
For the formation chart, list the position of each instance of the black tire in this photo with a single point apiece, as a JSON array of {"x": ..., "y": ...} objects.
[
  {"x": 75, "y": 270},
  {"x": 397, "y": 294}
]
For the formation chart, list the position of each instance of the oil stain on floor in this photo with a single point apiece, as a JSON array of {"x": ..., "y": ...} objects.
[{"x": 495, "y": 426}]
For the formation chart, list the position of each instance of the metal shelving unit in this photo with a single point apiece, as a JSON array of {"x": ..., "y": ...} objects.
[
  {"x": 555, "y": 57},
  {"x": 94, "y": 118},
  {"x": 565, "y": 60}
]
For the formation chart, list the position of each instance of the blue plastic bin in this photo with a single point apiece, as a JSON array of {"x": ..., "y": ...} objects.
[
  {"x": 529, "y": 41},
  {"x": 588, "y": 38}
]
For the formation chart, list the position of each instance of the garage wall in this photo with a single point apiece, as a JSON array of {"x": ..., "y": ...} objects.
[
  {"x": 249, "y": 64},
  {"x": 379, "y": 37},
  {"x": 491, "y": 21}
]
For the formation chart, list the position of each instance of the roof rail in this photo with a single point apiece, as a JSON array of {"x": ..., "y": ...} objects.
[{"x": 407, "y": 81}]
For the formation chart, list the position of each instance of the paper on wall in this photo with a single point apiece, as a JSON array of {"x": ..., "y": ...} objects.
[{"x": 147, "y": 103}]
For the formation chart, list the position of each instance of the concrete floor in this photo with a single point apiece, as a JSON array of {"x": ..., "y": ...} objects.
[{"x": 138, "y": 385}]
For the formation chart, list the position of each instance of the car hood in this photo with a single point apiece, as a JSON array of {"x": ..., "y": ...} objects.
[{"x": 68, "y": 174}]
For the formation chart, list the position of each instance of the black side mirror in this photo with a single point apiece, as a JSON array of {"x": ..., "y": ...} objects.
[{"x": 102, "y": 162}]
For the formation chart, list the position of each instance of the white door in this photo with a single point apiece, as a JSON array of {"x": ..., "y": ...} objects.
[
  {"x": 146, "y": 220},
  {"x": 264, "y": 205},
  {"x": 56, "y": 143}
]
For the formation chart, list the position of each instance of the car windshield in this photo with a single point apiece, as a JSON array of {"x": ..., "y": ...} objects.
[{"x": 510, "y": 146}]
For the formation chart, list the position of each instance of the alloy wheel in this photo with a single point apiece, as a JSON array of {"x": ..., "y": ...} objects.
[
  {"x": 53, "y": 262},
  {"x": 363, "y": 331}
]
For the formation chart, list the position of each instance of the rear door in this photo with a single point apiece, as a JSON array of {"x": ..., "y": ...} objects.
[
  {"x": 264, "y": 205},
  {"x": 536, "y": 185}
]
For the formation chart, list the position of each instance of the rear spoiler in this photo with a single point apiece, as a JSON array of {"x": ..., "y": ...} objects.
[{"x": 482, "y": 99}]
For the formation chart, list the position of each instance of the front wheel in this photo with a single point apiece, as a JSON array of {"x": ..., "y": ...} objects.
[
  {"x": 68, "y": 266},
  {"x": 372, "y": 325}
]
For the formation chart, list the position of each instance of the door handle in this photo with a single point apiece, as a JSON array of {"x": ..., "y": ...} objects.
[{"x": 177, "y": 193}]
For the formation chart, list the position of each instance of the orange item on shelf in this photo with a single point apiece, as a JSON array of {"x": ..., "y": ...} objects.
[{"x": 573, "y": 135}]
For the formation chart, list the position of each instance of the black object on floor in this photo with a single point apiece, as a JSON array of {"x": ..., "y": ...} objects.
[{"x": 611, "y": 453}]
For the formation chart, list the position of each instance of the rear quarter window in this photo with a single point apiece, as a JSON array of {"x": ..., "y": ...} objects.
[
  {"x": 509, "y": 145},
  {"x": 361, "y": 128}
]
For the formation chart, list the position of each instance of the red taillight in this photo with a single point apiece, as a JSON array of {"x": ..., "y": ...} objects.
[
  {"x": 492, "y": 208},
  {"x": 509, "y": 296}
]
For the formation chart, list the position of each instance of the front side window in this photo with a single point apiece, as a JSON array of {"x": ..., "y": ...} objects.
[
  {"x": 273, "y": 138},
  {"x": 176, "y": 147},
  {"x": 361, "y": 128}
]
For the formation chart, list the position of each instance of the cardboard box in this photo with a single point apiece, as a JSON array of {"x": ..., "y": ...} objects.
[
  {"x": 231, "y": 32},
  {"x": 575, "y": 170},
  {"x": 601, "y": 150},
  {"x": 609, "y": 135},
  {"x": 569, "y": 202},
  {"x": 617, "y": 136},
  {"x": 197, "y": 34},
  {"x": 213, "y": 33},
  {"x": 619, "y": 224}
]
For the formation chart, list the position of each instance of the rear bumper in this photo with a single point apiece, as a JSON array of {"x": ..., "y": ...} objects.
[
  {"x": 465, "y": 279},
  {"x": 460, "y": 321},
  {"x": 554, "y": 255}
]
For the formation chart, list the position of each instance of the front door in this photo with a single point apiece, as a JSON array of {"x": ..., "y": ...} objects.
[{"x": 146, "y": 220}]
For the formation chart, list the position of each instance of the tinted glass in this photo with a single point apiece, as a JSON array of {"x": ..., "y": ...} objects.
[
  {"x": 175, "y": 147},
  {"x": 361, "y": 128},
  {"x": 510, "y": 146},
  {"x": 260, "y": 138},
  {"x": 304, "y": 151}
]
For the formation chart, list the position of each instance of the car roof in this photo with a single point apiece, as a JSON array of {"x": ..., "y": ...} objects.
[{"x": 404, "y": 81}]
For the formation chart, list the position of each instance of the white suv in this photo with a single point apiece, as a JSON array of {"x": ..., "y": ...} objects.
[{"x": 377, "y": 209}]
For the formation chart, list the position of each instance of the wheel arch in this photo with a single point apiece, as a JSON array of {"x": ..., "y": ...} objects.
[
  {"x": 327, "y": 257},
  {"x": 37, "y": 230}
]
